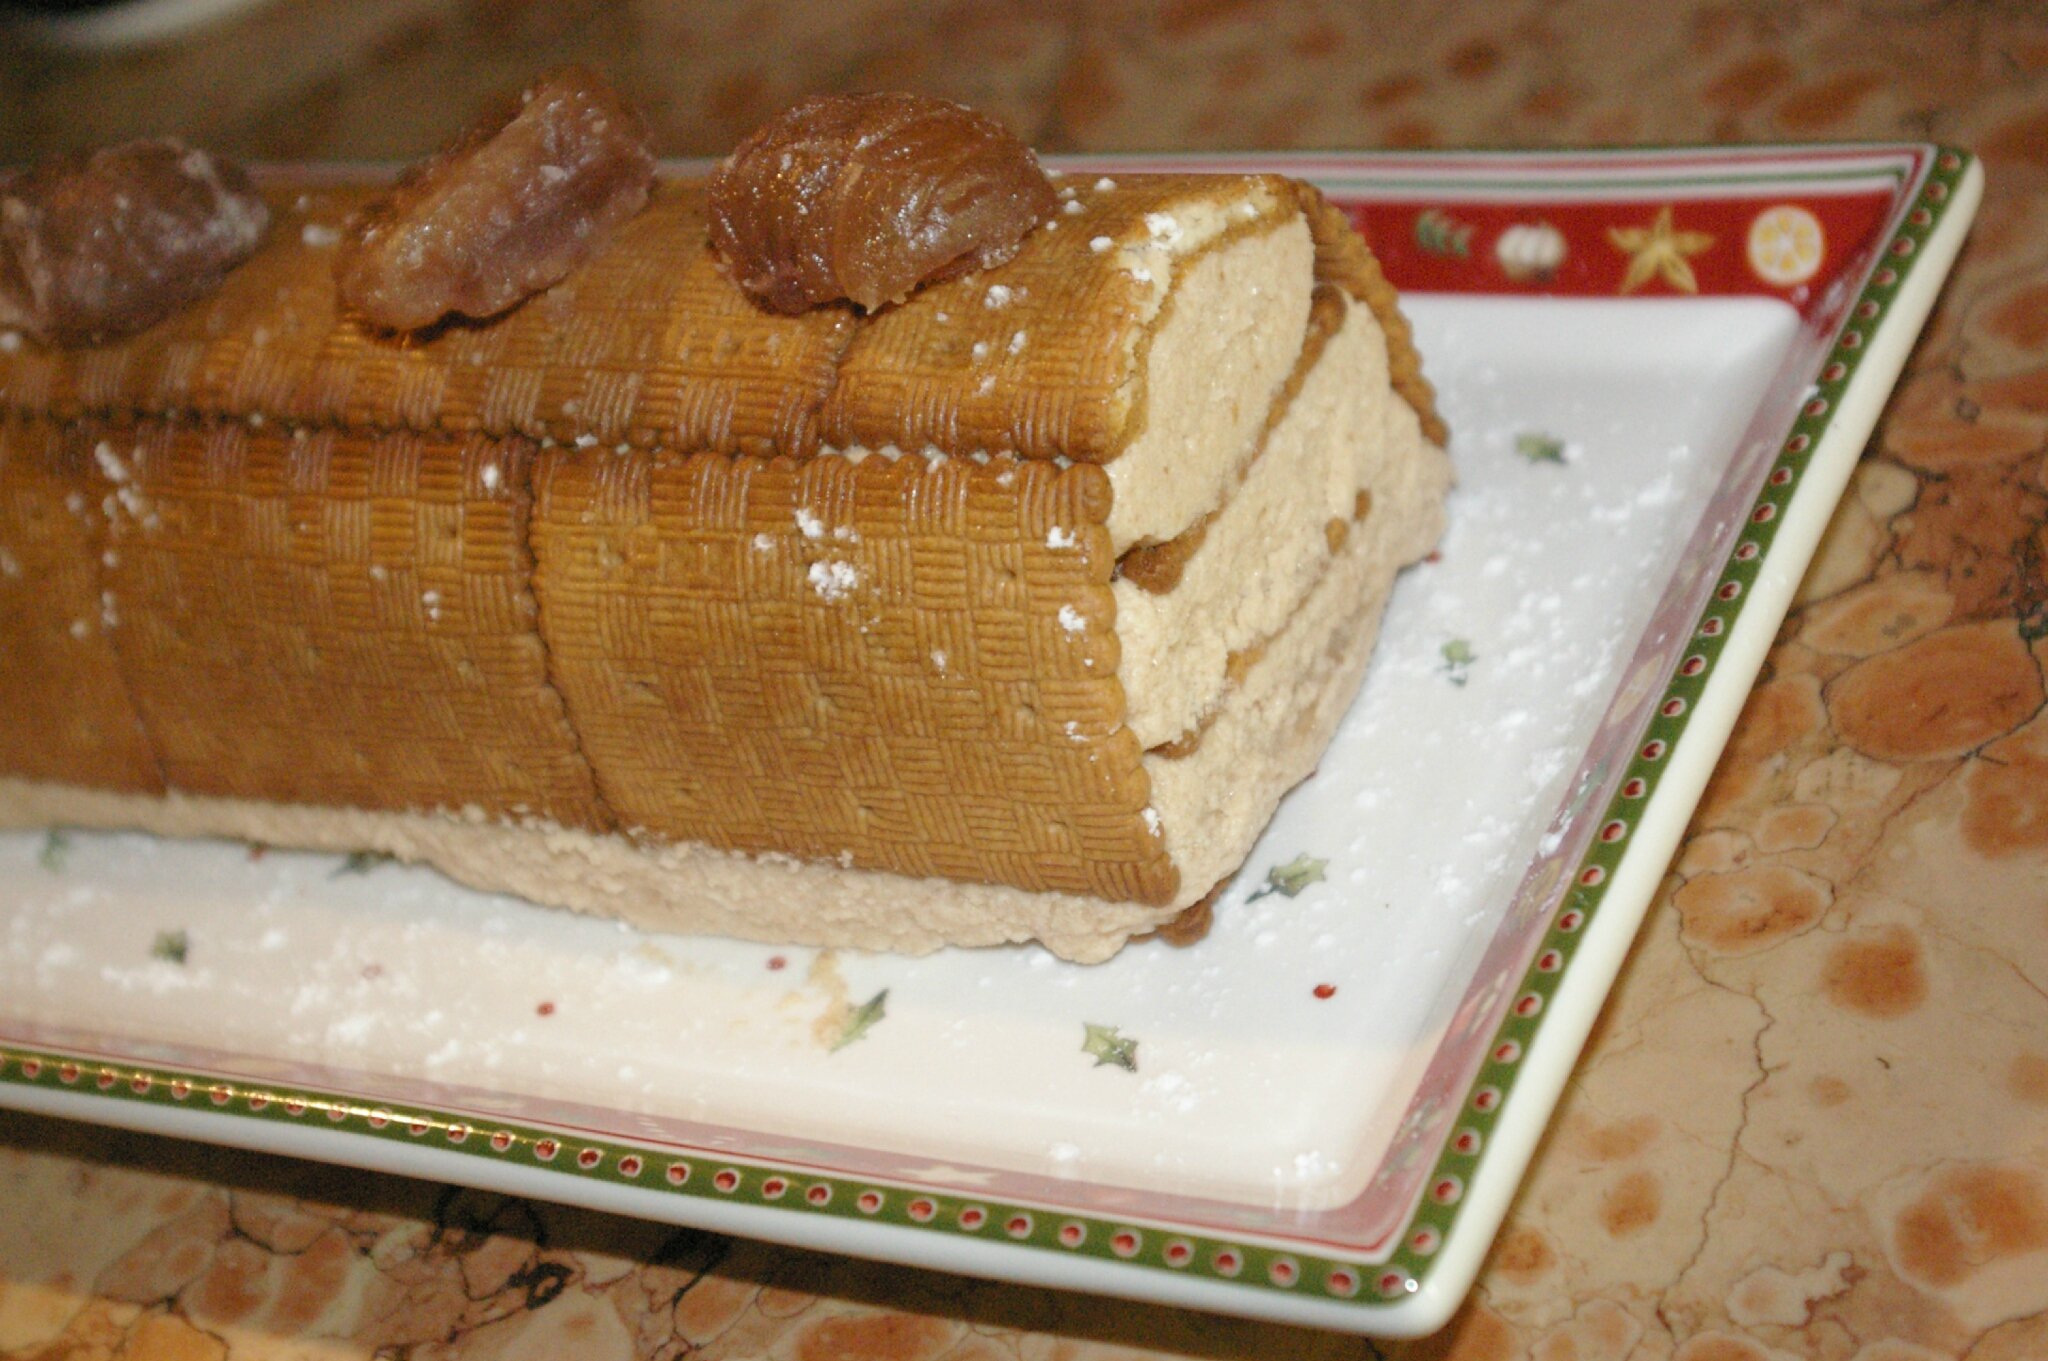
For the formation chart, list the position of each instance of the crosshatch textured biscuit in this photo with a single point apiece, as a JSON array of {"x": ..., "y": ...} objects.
[
  {"x": 336, "y": 618},
  {"x": 68, "y": 716},
  {"x": 641, "y": 567}
]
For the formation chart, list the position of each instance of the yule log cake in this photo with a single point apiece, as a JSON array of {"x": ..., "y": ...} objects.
[{"x": 583, "y": 534}]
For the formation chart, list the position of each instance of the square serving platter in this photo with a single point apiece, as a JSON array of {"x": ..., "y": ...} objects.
[{"x": 1659, "y": 368}]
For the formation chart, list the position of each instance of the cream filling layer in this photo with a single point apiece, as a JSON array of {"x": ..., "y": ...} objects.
[{"x": 1268, "y": 542}]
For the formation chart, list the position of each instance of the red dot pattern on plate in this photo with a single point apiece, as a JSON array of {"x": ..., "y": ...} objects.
[
  {"x": 1635, "y": 788},
  {"x": 417, "y": 1128},
  {"x": 1570, "y": 921},
  {"x": 1342, "y": 1281},
  {"x": 502, "y": 1140},
  {"x": 676, "y": 1173},
  {"x": 1507, "y": 1051},
  {"x": 377, "y": 1119},
  {"x": 589, "y": 1158},
  {"x": 1592, "y": 875},
  {"x": 868, "y": 1202},
  {"x": 1179, "y": 1252},
  {"x": 1424, "y": 1240},
  {"x": 457, "y": 1133},
  {"x": 773, "y": 1188},
  {"x": 726, "y": 1179},
  {"x": 1866, "y": 310},
  {"x": 1283, "y": 1271},
  {"x": 33, "y": 1068},
  {"x": 106, "y": 1080},
  {"x": 1729, "y": 590},
  {"x": 1528, "y": 1004},
  {"x": 1614, "y": 831},
  {"x": 1550, "y": 961},
  {"x": 1903, "y": 246},
  {"x": 1817, "y": 407},
  {"x": 1447, "y": 1190},
  {"x": 1125, "y": 1242},
  {"x": 973, "y": 1217},
  {"x": 1885, "y": 277},
  {"x": 139, "y": 1083},
  {"x": 1392, "y": 1283},
  {"x": 1466, "y": 1141},
  {"x": 630, "y": 1165},
  {"x": 546, "y": 1149},
  {"x": 1486, "y": 1098},
  {"x": 1018, "y": 1226},
  {"x": 1835, "y": 372},
  {"x": 337, "y": 1114},
  {"x": 1072, "y": 1234},
  {"x": 291, "y": 1108},
  {"x": 1692, "y": 665},
  {"x": 1227, "y": 1262},
  {"x": 1852, "y": 340},
  {"x": 1712, "y": 628},
  {"x": 67, "y": 1073},
  {"x": 1798, "y": 444},
  {"x": 219, "y": 1096},
  {"x": 1763, "y": 514},
  {"x": 1654, "y": 751},
  {"x": 1671, "y": 708},
  {"x": 922, "y": 1209},
  {"x": 1325, "y": 991},
  {"x": 818, "y": 1193}
]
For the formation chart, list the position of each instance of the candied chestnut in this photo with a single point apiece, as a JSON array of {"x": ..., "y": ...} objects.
[
  {"x": 102, "y": 245},
  {"x": 507, "y": 209},
  {"x": 869, "y": 196}
]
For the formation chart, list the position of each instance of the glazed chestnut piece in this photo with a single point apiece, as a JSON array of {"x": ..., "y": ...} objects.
[
  {"x": 103, "y": 245},
  {"x": 866, "y": 197},
  {"x": 524, "y": 195}
]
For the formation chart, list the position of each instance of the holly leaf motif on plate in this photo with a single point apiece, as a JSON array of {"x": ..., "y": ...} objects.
[
  {"x": 1458, "y": 658},
  {"x": 861, "y": 1020},
  {"x": 56, "y": 847},
  {"x": 1291, "y": 878},
  {"x": 1107, "y": 1044},
  {"x": 1538, "y": 447}
]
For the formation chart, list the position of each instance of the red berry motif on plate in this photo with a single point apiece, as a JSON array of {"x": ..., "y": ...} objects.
[
  {"x": 1342, "y": 1281},
  {"x": 922, "y": 1209},
  {"x": 676, "y": 1173},
  {"x": 501, "y": 1141},
  {"x": 1283, "y": 1271},
  {"x": 1228, "y": 1262},
  {"x": 1018, "y": 1226},
  {"x": 1125, "y": 1242},
  {"x": 546, "y": 1149},
  {"x": 773, "y": 1187},
  {"x": 1179, "y": 1252},
  {"x": 589, "y": 1158},
  {"x": 726, "y": 1180},
  {"x": 972, "y": 1217},
  {"x": 1073, "y": 1234},
  {"x": 818, "y": 1193},
  {"x": 630, "y": 1165},
  {"x": 1424, "y": 1240},
  {"x": 868, "y": 1202}
]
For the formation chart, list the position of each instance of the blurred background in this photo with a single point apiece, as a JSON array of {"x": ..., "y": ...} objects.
[{"x": 392, "y": 78}]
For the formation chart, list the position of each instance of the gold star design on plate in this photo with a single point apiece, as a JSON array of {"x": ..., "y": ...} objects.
[{"x": 1659, "y": 251}]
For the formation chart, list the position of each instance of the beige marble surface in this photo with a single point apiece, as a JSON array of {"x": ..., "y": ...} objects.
[{"x": 1813, "y": 1121}]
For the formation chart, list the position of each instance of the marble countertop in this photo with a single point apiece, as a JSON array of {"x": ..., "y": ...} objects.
[{"x": 1813, "y": 1119}]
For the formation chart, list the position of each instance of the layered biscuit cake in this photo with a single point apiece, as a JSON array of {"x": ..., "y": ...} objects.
[{"x": 1005, "y": 612}]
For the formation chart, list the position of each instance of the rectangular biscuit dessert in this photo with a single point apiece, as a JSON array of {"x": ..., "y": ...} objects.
[{"x": 1005, "y": 613}]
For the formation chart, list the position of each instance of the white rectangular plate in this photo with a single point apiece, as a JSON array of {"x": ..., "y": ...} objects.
[{"x": 1659, "y": 369}]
